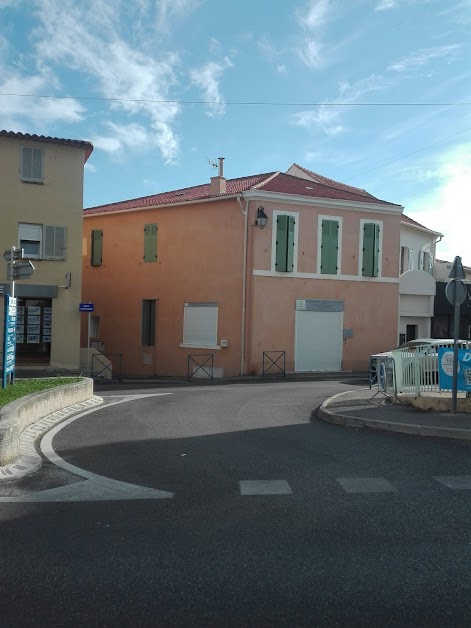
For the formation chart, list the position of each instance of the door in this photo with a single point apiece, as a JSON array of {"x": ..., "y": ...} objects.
[
  {"x": 411, "y": 332},
  {"x": 318, "y": 344}
]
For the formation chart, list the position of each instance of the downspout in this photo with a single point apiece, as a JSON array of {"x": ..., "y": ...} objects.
[{"x": 244, "y": 281}]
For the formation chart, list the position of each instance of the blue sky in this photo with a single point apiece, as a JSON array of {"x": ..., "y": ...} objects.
[{"x": 341, "y": 60}]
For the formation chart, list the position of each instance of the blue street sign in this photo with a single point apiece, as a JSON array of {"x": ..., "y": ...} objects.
[
  {"x": 445, "y": 369},
  {"x": 9, "y": 339},
  {"x": 86, "y": 307}
]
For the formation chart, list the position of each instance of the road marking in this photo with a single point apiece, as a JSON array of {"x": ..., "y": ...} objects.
[
  {"x": 96, "y": 487},
  {"x": 265, "y": 487},
  {"x": 456, "y": 482},
  {"x": 91, "y": 491},
  {"x": 366, "y": 485}
]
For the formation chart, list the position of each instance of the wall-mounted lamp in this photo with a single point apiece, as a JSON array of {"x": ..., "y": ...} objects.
[{"x": 262, "y": 218}]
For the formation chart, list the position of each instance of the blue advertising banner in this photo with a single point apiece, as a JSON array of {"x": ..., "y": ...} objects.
[
  {"x": 445, "y": 369},
  {"x": 9, "y": 339}
]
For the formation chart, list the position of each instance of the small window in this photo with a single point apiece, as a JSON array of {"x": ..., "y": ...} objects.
[
  {"x": 427, "y": 263},
  {"x": 94, "y": 326},
  {"x": 370, "y": 267},
  {"x": 284, "y": 261},
  {"x": 32, "y": 166},
  {"x": 329, "y": 247},
  {"x": 200, "y": 324},
  {"x": 150, "y": 243},
  {"x": 30, "y": 240},
  {"x": 411, "y": 260},
  {"x": 404, "y": 261},
  {"x": 148, "y": 323},
  {"x": 96, "y": 257}
]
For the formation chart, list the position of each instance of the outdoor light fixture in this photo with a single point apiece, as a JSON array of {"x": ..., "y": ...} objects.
[{"x": 262, "y": 218}]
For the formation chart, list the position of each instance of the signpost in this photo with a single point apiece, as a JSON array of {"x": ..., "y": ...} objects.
[
  {"x": 9, "y": 341},
  {"x": 456, "y": 293},
  {"x": 87, "y": 307}
]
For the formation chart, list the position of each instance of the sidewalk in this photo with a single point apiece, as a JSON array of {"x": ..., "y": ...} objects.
[{"x": 362, "y": 408}]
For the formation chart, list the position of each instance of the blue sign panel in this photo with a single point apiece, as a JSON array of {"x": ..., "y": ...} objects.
[
  {"x": 86, "y": 307},
  {"x": 9, "y": 339},
  {"x": 445, "y": 369}
]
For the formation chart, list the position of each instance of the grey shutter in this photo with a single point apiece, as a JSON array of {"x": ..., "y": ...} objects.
[
  {"x": 54, "y": 242},
  {"x": 31, "y": 164}
]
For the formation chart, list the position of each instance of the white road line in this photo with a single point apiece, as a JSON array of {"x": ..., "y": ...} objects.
[
  {"x": 265, "y": 487},
  {"x": 456, "y": 482},
  {"x": 366, "y": 485},
  {"x": 96, "y": 487}
]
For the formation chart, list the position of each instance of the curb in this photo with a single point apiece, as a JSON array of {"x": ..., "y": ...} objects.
[
  {"x": 387, "y": 426},
  {"x": 30, "y": 461}
]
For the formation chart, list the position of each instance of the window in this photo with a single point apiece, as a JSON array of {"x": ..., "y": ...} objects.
[
  {"x": 404, "y": 261},
  {"x": 329, "y": 247},
  {"x": 150, "y": 243},
  {"x": 94, "y": 326},
  {"x": 371, "y": 249},
  {"x": 96, "y": 247},
  {"x": 148, "y": 323},
  {"x": 427, "y": 263},
  {"x": 200, "y": 324},
  {"x": 284, "y": 260},
  {"x": 32, "y": 167},
  {"x": 42, "y": 241},
  {"x": 411, "y": 260}
]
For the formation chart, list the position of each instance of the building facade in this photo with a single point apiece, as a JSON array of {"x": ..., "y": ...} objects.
[
  {"x": 443, "y": 322},
  {"x": 192, "y": 273},
  {"x": 41, "y": 209}
]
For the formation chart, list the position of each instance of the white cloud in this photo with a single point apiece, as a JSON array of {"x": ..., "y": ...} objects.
[
  {"x": 90, "y": 167},
  {"x": 171, "y": 9},
  {"x": 446, "y": 207},
  {"x": 312, "y": 19},
  {"x": 281, "y": 68},
  {"x": 422, "y": 57},
  {"x": 385, "y": 5},
  {"x": 71, "y": 35},
  {"x": 19, "y": 113},
  {"x": 207, "y": 79},
  {"x": 323, "y": 117}
]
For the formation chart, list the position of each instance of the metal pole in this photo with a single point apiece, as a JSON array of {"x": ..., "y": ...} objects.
[
  {"x": 88, "y": 345},
  {"x": 12, "y": 280},
  {"x": 456, "y": 333}
]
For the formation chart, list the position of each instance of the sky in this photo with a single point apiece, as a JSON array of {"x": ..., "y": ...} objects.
[{"x": 374, "y": 93}]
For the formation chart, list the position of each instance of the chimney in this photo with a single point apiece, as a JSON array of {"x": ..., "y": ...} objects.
[{"x": 218, "y": 184}]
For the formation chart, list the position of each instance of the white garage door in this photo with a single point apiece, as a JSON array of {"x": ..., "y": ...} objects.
[{"x": 318, "y": 341}]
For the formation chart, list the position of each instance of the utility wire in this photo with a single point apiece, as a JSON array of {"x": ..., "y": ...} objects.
[
  {"x": 248, "y": 103},
  {"x": 409, "y": 154}
]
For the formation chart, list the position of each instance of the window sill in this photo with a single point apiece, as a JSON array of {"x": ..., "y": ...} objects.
[
  {"x": 33, "y": 181},
  {"x": 188, "y": 346}
]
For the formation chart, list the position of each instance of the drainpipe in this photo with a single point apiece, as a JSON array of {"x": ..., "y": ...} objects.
[
  {"x": 435, "y": 242},
  {"x": 244, "y": 281}
]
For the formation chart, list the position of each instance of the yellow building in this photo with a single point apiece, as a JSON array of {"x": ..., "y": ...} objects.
[{"x": 41, "y": 204}]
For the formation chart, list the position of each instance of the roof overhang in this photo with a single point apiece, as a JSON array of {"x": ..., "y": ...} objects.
[
  {"x": 162, "y": 206},
  {"x": 421, "y": 229},
  {"x": 295, "y": 199}
]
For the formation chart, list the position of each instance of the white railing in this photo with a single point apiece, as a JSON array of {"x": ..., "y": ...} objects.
[{"x": 416, "y": 370}]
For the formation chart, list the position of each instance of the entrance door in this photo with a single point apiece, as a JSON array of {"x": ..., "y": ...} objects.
[
  {"x": 411, "y": 332},
  {"x": 33, "y": 331},
  {"x": 318, "y": 345}
]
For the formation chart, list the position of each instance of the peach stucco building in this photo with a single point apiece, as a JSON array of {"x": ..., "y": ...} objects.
[{"x": 192, "y": 271}]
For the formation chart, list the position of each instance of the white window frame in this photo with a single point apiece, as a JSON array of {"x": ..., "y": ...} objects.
[
  {"x": 275, "y": 214},
  {"x": 338, "y": 219},
  {"x": 41, "y": 240},
  {"x": 22, "y": 175},
  {"x": 189, "y": 339},
  {"x": 364, "y": 221}
]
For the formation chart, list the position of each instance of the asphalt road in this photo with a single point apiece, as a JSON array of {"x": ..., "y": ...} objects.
[{"x": 344, "y": 527}]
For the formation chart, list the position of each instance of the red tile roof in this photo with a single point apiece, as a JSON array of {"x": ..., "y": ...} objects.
[
  {"x": 88, "y": 146},
  {"x": 277, "y": 182},
  {"x": 335, "y": 184}
]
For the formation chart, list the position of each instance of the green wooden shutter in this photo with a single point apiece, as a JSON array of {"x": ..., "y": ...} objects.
[
  {"x": 370, "y": 250},
  {"x": 329, "y": 247},
  {"x": 150, "y": 243},
  {"x": 290, "y": 245},
  {"x": 97, "y": 247},
  {"x": 281, "y": 243}
]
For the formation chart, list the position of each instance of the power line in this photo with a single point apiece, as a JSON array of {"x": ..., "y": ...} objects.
[
  {"x": 408, "y": 154},
  {"x": 246, "y": 103}
]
